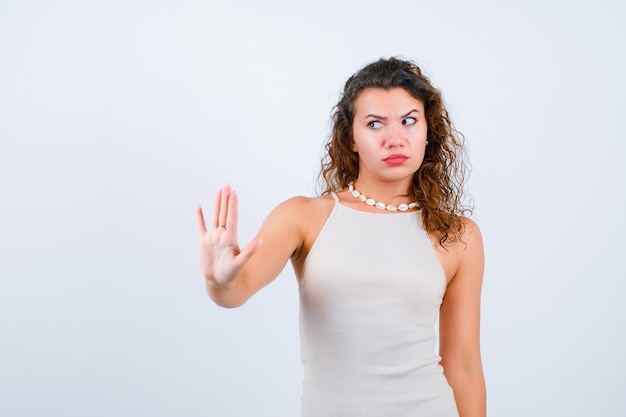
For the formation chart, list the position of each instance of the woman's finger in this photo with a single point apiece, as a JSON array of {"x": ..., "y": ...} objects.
[
  {"x": 224, "y": 206},
  {"x": 231, "y": 221},
  {"x": 216, "y": 210},
  {"x": 247, "y": 252},
  {"x": 200, "y": 220}
]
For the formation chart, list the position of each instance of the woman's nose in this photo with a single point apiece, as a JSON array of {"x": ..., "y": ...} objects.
[{"x": 393, "y": 136}]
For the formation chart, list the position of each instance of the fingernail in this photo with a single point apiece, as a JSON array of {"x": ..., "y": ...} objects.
[{"x": 260, "y": 241}]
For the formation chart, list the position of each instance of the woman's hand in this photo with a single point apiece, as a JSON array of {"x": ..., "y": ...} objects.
[{"x": 221, "y": 259}]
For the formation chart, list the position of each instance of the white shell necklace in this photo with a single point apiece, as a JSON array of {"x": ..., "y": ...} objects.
[{"x": 379, "y": 205}]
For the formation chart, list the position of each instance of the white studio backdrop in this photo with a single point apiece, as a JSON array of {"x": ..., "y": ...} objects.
[{"x": 118, "y": 118}]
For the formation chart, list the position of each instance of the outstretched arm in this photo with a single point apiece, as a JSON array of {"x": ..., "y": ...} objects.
[
  {"x": 234, "y": 274},
  {"x": 460, "y": 326}
]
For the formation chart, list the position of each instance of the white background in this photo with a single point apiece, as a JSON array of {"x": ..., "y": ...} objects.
[{"x": 118, "y": 117}]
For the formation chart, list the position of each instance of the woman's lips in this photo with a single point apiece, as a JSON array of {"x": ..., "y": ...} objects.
[{"x": 396, "y": 159}]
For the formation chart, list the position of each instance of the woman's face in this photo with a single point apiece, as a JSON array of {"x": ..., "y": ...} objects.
[{"x": 389, "y": 132}]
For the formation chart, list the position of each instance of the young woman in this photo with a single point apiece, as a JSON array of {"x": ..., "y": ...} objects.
[{"x": 378, "y": 256}]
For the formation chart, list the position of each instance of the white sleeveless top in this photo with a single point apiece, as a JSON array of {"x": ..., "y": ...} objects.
[{"x": 370, "y": 295}]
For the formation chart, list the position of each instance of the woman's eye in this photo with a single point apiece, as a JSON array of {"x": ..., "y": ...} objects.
[
  {"x": 409, "y": 121},
  {"x": 374, "y": 124}
]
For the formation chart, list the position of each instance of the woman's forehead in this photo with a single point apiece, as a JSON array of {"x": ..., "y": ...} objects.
[{"x": 389, "y": 100}]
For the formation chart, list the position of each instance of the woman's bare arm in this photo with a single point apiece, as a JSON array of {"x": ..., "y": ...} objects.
[
  {"x": 460, "y": 326},
  {"x": 233, "y": 274}
]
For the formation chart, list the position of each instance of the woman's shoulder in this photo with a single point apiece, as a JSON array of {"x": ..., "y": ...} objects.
[
  {"x": 471, "y": 231},
  {"x": 467, "y": 235},
  {"x": 306, "y": 215},
  {"x": 301, "y": 209},
  {"x": 469, "y": 245},
  {"x": 301, "y": 204}
]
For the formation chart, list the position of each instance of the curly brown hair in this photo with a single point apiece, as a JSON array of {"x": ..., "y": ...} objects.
[{"x": 438, "y": 183}]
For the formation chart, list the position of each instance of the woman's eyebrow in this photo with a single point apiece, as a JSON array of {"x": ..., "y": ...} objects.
[{"x": 384, "y": 118}]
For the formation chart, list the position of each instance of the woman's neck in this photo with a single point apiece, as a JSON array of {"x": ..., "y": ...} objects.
[{"x": 387, "y": 192}]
